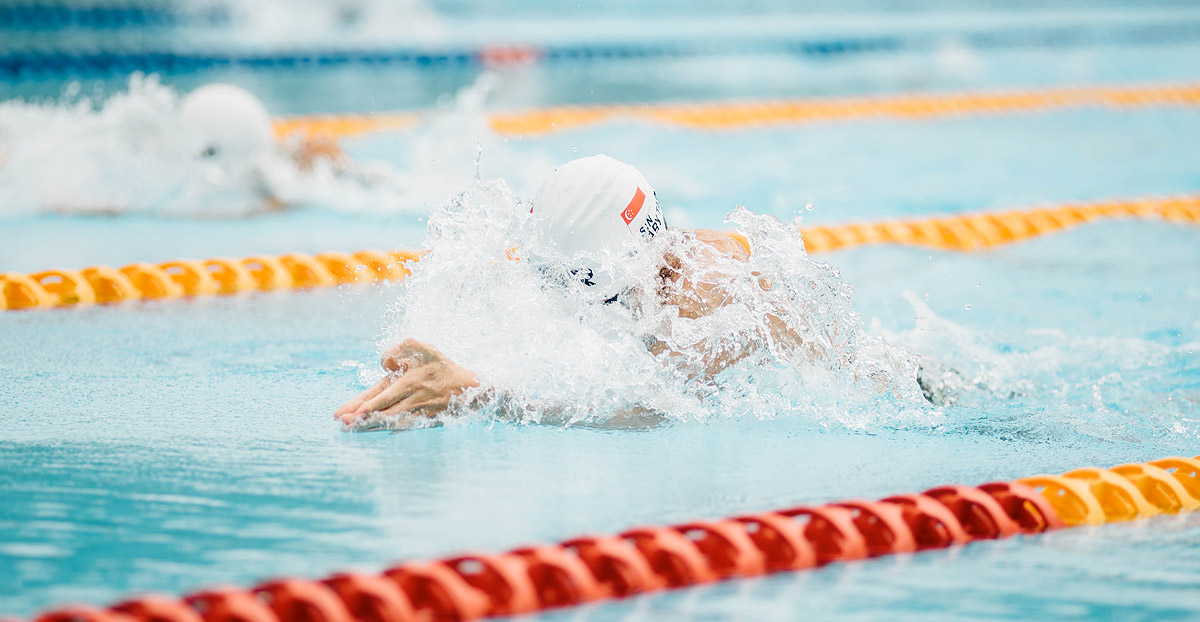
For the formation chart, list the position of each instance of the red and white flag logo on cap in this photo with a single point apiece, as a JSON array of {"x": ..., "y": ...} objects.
[{"x": 634, "y": 207}]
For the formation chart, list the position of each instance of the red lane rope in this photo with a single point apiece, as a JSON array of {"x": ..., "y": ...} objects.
[{"x": 653, "y": 558}]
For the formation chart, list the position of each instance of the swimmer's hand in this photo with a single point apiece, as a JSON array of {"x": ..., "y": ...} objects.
[{"x": 421, "y": 381}]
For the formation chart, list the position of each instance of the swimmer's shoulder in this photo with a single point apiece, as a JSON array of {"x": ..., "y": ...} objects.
[{"x": 732, "y": 244}]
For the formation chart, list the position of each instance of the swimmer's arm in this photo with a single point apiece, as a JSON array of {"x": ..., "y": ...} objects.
[
  {"x": 714, "y": 361},
  {"x": 421, "y": 381},
  {"x": 737, "y": 246},
  {"x": 311, "y": 148},
  {"x": 698, "y": 295},
  {"x": 711, "y": 295},
  {"x": 731, "y": 244}
]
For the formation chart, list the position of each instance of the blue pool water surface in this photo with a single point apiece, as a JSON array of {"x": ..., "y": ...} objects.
[{"x": 166, "y": 446}]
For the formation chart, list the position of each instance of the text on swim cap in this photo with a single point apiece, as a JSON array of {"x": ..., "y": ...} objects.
[{"x": 651, "y": 227}]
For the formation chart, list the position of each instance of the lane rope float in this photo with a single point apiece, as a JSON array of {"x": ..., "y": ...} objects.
[
  {"x": 208, "y": 277},
  {"x": 983, "y": 231},
  {"x": 730, "y": 115},
  {"x": 345, "y": 126},
  {"x": 653, "y": 558}
]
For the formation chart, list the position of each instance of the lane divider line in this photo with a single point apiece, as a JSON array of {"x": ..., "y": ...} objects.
[
  {"x": 36, "y": 16},
  {"x": 345, "y": 126},
  {"x": 731, "y": 115},
  {"x": 653, "y": 558},
  {"x": 36, "y": 58},
  {"x": 983, "y": 231},
  {"x": 208, "y": 277}
]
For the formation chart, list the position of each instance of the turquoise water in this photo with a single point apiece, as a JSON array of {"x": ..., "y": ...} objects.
[
  {"x": 168, "y": 446},
  {"x": 851, "y": 171}
]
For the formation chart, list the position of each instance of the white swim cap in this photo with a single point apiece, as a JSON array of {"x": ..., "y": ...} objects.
[
  {"x": 593, "y": 207},
  {"x": 229, "y": 123}
]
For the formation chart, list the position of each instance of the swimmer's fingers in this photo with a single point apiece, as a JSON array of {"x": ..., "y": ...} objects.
[
  {"x": 403, "y": 387},
  {"x": 363, "y": 423},
  {"x": 413, "y": 349},
  {"x": 403, "y": 350},
  {"x": 424, "y": 402},
  {"x": 420, "y": 404},
  {"x": 347, "y": 410},
  {"x": 434, "y": 382},
  {"x": 398, "y": 364},
  {"x": 409, "y": 422},
  {"x": 370, "y": 422}
]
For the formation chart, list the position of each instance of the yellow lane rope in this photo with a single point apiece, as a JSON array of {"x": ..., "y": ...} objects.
[
  {"x": 178, "y": 278},
  {"x": 728, "y": 115},
  {"x": 976, "y": 232},
  {"x": 343, "y": 126}
]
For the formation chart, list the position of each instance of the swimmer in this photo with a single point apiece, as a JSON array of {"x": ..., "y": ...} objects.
[
  {"x": 589, "y": 207},
  {"x": 231, "y": 134},
  {"x": 212, "y": 152}
]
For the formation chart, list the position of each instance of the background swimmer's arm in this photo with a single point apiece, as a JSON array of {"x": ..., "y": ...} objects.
[{"x": 313, "y": 147}]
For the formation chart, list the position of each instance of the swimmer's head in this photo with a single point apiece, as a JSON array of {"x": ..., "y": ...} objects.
[
  {"x": 593, "y": 208},
  {"x": 227, "y": 123}
]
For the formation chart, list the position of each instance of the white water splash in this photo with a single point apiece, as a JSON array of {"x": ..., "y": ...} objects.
[
  {"x": 556, "y": 356},
  {"x": 454, "y": 146},
  {"x": 1046, "y": 384},
  {"x": 135, "y": 153}
]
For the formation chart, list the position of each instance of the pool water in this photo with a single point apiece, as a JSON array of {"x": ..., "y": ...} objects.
[{"x": 167, "y": 446}]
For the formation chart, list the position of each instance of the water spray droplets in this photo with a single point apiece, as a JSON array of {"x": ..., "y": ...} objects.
[
  {"x": 549, "y": 350},
  {"x": 478, "y": 157}
]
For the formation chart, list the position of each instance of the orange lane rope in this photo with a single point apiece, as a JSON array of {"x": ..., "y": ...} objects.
[
  {"x": 341, "y": 126},
  {"x": 977, "y": 232},
  {"x": 654, "y": 558},
  {"x": 178, "y": 278},
  {"x": 728, "y": 115}
]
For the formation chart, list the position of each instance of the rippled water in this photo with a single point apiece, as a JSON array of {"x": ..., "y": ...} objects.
[
  {"x": 171, "y": 445},
  {"x": 907, "y": 168}
]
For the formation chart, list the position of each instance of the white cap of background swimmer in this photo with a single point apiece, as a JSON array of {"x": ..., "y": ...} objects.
[
  {"x": 595, "y": 206},
  {"x": 229, "y": 123}
]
